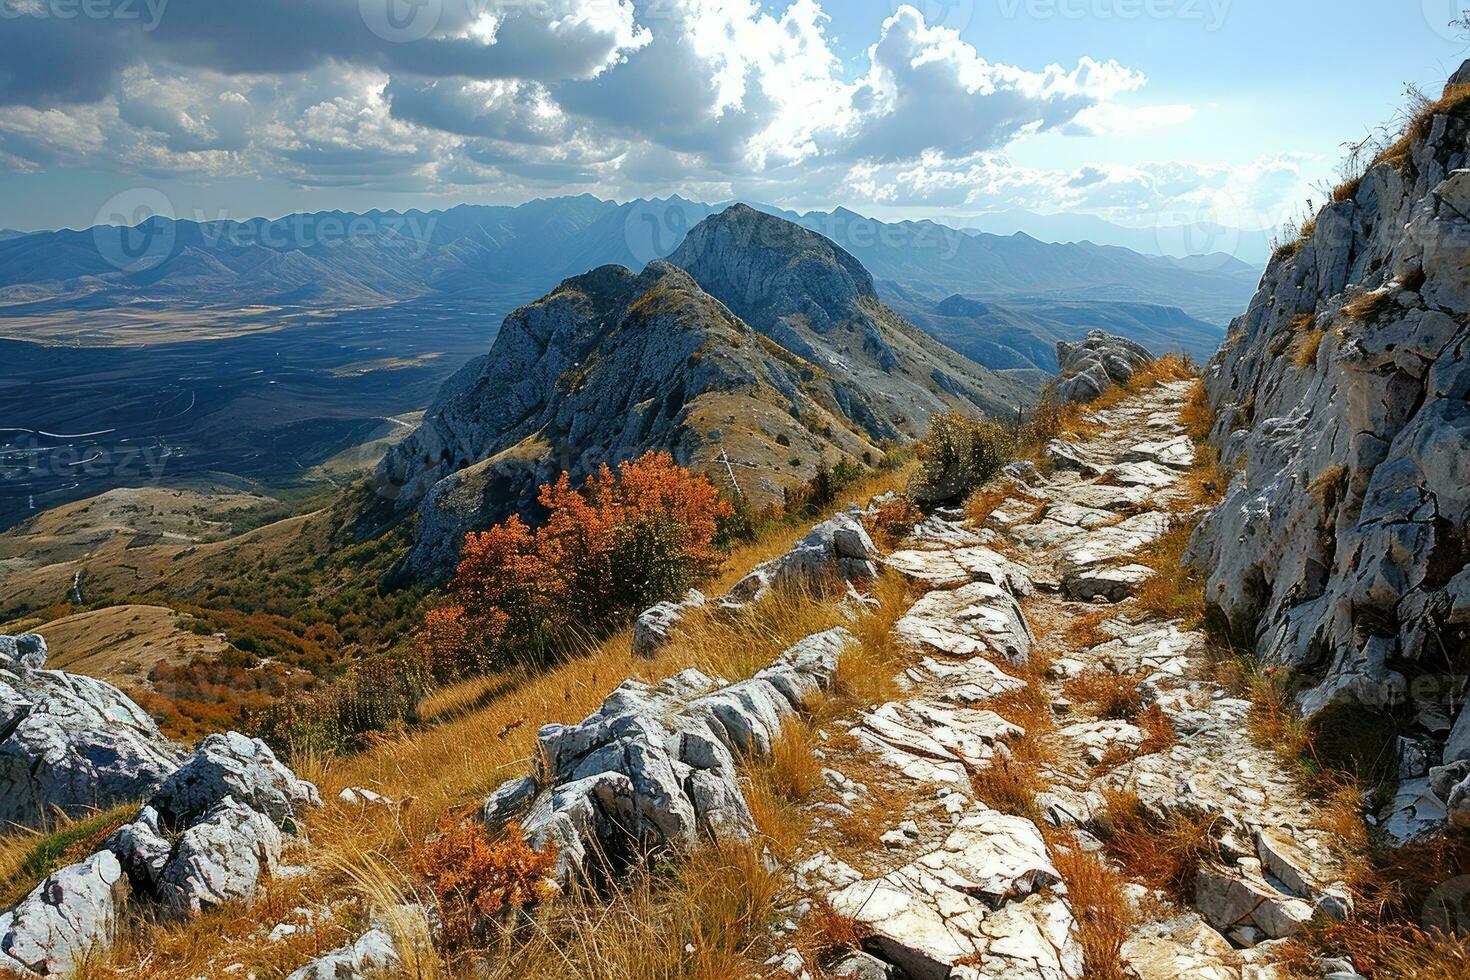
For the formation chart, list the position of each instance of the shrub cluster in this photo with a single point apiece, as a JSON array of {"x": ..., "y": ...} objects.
[
  {"x": 958, "y": 456},
  {"x": 621, "y": 543},
  {"x": 475, "y": 881}
]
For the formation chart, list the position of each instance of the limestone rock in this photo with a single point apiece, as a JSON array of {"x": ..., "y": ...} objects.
[
  {"x": 234, "y": 766},
  {"x": 71, "y": 742},
  {"x": 838, "y": 546},
  {"x": 1339, "y": 540},
  {"x": 220, "y": 858},
  {"x": 371, "y": 954},
  {"x": 973, "y": 901},
  {"x": 66, "y": 917},
  {"x": 1241, "y": 896},
  {"x": 1091, "y": 366},
  {"x": 1112, "y": 583},
  {"x": 655, "y": 627},
  {"x": 974, "y": 619},
  {"x": 27, "y": 652},
  {"x": 949, "y": 568},
  {"x": 655, "y": 765}
]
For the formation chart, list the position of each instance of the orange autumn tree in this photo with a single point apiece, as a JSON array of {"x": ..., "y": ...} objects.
[{"x": 622, "y": 542}]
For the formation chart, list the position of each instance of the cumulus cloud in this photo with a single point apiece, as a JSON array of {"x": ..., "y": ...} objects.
[
  {"x": 928, "y": 90},
  {"x": 622, "y": 97}
]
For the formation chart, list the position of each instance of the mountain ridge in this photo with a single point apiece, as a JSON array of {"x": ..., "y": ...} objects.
[{"x": 612, "y": 364}]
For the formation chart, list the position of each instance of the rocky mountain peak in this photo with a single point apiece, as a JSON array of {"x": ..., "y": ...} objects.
[
  {"x": 766, "y": 269},
  {"x": 614, "y": 363}
]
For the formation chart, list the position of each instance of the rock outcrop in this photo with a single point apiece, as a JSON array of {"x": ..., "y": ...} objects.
[
  {"x": 209, "y": 849},
  {"x": 64, "y": 919},
  {"x": 839, "y": 548},
  {"x": 215, "y": 827},
  {"x": 809, "y": 366},
  {"x": 1091, "y": 366},
  {"x": 655, "y": 766},
  {"x": 69, "y": 742},
  {"x": 1341, "y": 550}
]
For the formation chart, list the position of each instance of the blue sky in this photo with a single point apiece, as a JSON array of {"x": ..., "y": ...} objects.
[{"x": 1164, "y": 111}]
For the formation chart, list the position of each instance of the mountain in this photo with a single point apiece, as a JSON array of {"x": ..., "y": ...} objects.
[
  {"x": 6, "y": 234},
  {"x": 931, "y": 258},
  {"x": 335, "y": 259},
  {"x": 1215, "y": 241},
  {"x": 1340, "y": 553},
  {"x": 759, "y": 350},
  {"x": 1021, "y": 333}
]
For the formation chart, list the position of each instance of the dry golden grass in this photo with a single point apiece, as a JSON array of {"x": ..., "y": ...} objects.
[
  {"x": 982, "y": 504},
  {"x": 831, "y": 929},
  {"x": 892, "y": 522},
  {"x": 1085, "y": 630},
  {"x": 1010, "y": 783},
  {"x": 1455, "y": 102},
  {"x": 1305, "y": 348},
  {"x": 1158, "y": 731},
  {"x": 1329, "y": 486},
  {"x": 1162, "y": 855},
  {"x": 1176, "y": 590},
  {"x": 793, "y": 768},
  {"x": 1104, "y": 916},
  {"x": 1196, "y": 415},
  {"x": 706, "y": 917},
  {"x": 1369, "y": 306},
  {"x": 1110, "y": 695},
  {"x": 486, "y": 734}
]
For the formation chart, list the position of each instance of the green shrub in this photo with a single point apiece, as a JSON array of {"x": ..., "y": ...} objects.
[{"x": 958, "y": 456}]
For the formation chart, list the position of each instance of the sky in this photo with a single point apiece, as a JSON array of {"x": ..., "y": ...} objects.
[{"x": 1141, "y": 112}]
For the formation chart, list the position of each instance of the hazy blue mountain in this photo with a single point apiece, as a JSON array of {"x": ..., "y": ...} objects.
[
  {"x": 338, "y": 259},
  {"x": 1250, "y": 245},
  {"x": 1020, "y": 333}
]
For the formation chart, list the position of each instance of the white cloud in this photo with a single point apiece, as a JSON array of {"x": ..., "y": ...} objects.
[{"x": 623, "y": 97}]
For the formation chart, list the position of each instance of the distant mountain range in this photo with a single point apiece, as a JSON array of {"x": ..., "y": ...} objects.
[
  {"x": 1179, "y": 240},
  {"x": 1021, "y": 334},
  {"x": 338, "y": 259}
]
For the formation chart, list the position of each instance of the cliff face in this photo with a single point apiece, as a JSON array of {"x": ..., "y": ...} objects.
[
  {"x": 1341, "y": 548},
  {"x": 612, "y": 364}
]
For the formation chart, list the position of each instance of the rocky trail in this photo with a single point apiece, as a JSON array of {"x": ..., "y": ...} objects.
[
  {"x": 1041, "y": 720},
  {"x": 967, "y": 890}
]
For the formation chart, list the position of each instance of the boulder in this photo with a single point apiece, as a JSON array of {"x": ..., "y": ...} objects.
[
  {"x": 655, "y": 766},
  {"x": 65, "y": 918},
  {"x": 655, "y": 627},
  {"x": 372, "y": 954},
  {"x": 840, "y": 547},
  {"x": 1090, "y": 366},
  {"x": 71, "y": 742},
  {"x": 233, "y": 766},
  {"x": 1231, "y": 898},
  {"x": 27, "y": 652},
  {"x": 221, "y": 858}
]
